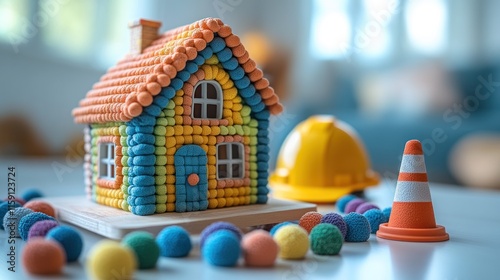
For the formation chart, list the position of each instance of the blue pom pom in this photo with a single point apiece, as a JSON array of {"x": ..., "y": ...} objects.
[
  {"x": 5, "y": 207},
  {"x": 218, "y": 226},
  {"x": 27, "y": 221},
  {"x": 222, "y": 248},
  {"x": 31, "y": 194},
  {"x": 375, "y": 218},
  {"x": 342, "y": 202},
  {"x": 387, "y": 212},
  {"x": 174, "y": 242},
  {"x": 358, "y": 227},
  {"x": 278, "y": 226},
  {"x": 70, "y": 240}
]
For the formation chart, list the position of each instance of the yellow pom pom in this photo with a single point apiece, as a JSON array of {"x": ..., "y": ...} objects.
[
  {"x": 293, "y": 242},
  {"x": 110, "y": 260}
]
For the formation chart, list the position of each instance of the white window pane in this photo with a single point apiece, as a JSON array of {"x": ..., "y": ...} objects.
[
  {"x": 67, "y": 27},
  {"x": 330, "y": 29},
  {"x": 373, "y": 38},
  {"x": 426, "y": 23},
  {"x": 14, "y": 21}
]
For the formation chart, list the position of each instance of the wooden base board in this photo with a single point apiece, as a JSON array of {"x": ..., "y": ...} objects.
[{"x": 115, "y": 223}]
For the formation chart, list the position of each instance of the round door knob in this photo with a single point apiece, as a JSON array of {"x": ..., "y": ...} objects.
[{"x": 193, "y": 179}]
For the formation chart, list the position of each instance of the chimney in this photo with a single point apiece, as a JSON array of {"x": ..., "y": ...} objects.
[{"x": 142, "y": 33}]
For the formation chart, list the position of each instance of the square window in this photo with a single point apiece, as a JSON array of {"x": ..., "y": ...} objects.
[
  {"x": 207, "y": 100},
  {"x": 106, "y": 163},
  {"x": 230, "y": 162}
]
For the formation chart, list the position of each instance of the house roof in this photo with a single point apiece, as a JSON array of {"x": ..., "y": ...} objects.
[{"x": 130, "y": 86}]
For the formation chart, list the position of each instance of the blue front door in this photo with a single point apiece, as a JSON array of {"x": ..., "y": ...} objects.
[{"x": 191, "y": 183}]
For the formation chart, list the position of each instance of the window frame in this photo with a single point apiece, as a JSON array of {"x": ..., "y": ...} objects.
[
  {"x": 230, "y": 161},
  {"x": 204, "y": 100},
  {"x": 106, "y": 161}
]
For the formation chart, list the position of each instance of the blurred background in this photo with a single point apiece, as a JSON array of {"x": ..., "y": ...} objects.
[{"x": 393, "y": 69}]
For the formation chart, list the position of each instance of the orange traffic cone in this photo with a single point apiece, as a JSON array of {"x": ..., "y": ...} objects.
[{"x": 412, "y": 215}]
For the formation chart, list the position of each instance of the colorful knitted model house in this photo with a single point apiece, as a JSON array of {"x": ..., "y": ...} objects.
[{"x": 180, "y": 124}]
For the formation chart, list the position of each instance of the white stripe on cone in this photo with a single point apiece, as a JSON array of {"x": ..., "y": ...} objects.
[
  {"x": 412, "y": 192},
  {"x": 413, "y": 164}
]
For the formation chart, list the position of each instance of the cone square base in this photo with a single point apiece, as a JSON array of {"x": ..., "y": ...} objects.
[{"x": 413, "y": 234}]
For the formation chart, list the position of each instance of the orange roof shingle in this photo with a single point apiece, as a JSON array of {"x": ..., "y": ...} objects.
[{"x": 129, "y": 86}]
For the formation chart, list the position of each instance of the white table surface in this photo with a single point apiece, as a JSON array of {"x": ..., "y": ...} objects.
[{"x": 471, "y": 217}]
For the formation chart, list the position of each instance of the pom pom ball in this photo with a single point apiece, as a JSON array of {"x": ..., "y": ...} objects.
[
  {"x": 361, "y": 209},
  {"x": 145, "y": 248},
  {"x": 109, "y": 260},
  {"x": 326, "y": 239},
  {"x": 31, "y": 194},
  {"x": 12, "y": 218},
  {"x": 353, "y": 204},
  {"x": 27, "y": 221},
  {"x": 375, "y": 217},
  {"x": 259, "y": 249},
  {"x": 336, "y": 220},
  {"x": 41, "y": 206},
  {"x": 309, "y": 220},
  {"x": 293, "y": 241},
  {"x": 43, "y": 257},
  {"x": 358, "y": 227},
  {"x": 218, "y": 226},
  {"x": 70, "y": 240},
  {"x": 387, "y": 212},
  {"x": 222, "y": 248},
  {"x": 174, "y": 242},
  {"x": 5, "y": 207},
  {"x": 278, "y": 226},
  {"x": 41, "y": 228},
  {"x": 342, "y": 202}
]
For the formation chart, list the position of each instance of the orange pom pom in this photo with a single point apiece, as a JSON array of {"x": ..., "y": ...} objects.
[
  {"x": 45, "y": 257},
  {"x": 41, "y": 206}
]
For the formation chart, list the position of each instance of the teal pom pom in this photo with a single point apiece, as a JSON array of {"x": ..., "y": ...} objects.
[
  {"x": 387, "y": 212},
  {"x": 358, "y": 227},
  {"x": 342, "y": 202},
  {"x": 145, "y": 248},
  {"x": 70, "y": 240},
  {"x": 31, "y": 194},
  {"x": 218, "y": 226},
  {"x": 375, "y": 218},
  {"x": 5, "y": 207},
  {"x": 222, "y": 248},
  {"x": 326, "y": 239},
  {"x": 174, "y": 242}
]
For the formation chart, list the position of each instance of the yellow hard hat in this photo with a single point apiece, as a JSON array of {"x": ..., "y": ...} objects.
[{"x": 321, "y": 160}]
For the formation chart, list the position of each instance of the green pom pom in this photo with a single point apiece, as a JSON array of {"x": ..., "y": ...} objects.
[
  {"x": 326, "y": 239},
  {"x": 145, "y": 248}
]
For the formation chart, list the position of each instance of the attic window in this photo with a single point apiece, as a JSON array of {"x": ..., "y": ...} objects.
[
  {"x": 207, "y": 100},
  {"x": 230, "y": 161},
  {"x": 107, "y": 161}
]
